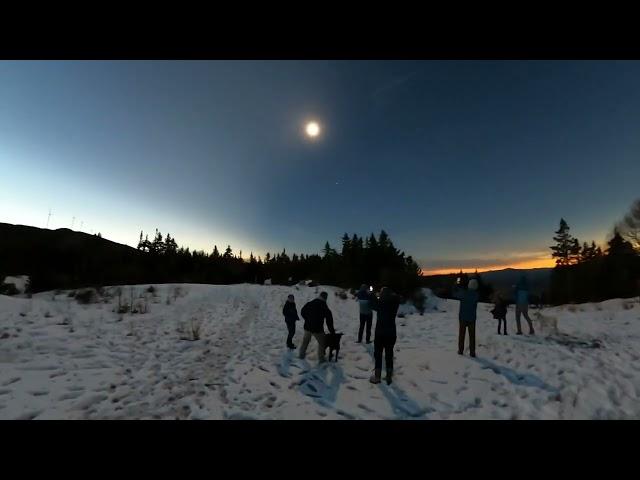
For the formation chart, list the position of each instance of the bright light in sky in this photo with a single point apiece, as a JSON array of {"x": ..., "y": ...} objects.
[{"x": 312, "y": 129}]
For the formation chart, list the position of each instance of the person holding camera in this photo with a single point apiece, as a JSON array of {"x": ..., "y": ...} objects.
[{"x": 467, "y": 315}]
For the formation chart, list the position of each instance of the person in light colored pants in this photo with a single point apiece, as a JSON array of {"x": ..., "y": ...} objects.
[
  {"x": 523, "y": 309},
  {"x": 305, "y": 343}
]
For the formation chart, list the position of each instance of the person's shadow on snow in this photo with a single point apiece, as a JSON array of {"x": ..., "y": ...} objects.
[
  {"x": 315, "y": 383},
  {"x": 403, "y": 406},
  {"x": 524, "y": 379},
  {"x": 284, "y": 366}
]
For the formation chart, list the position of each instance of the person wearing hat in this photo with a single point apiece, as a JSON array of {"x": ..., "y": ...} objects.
[
  {"x": 467, "y": 315},
  {"x": 290, "y": 313},
  {"x": 366, "y": 313},
  {"x": 315, "y": 313}
]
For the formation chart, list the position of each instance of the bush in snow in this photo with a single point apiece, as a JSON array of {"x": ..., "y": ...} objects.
[
  {"x": 86, "y": 296},
  {"x": 342, "y": 294},
  {"x": 8, "y": 289},
  {"x": 190, "y": 332},
  {"x": 419, "y": 301},
  {"x": 151, "y": 289},
  {"x": 195, "y": 329},
  {"x": 177, "y": 292}
]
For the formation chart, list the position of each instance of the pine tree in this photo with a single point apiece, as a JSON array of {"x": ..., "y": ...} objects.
[
  {"x": 566, "y": 248},
  {"x": 140, "y": 243},
  {"x": 157, "y": 247},
  {"x": 599, "y": 252},
  {"x": 589, "y": 252},
  {"x": 372, "y": 243},
  {"x": 346, "y": 246},
  {"x": 618, "y": 246},
  {"x": 146, "y": 246},
  {"x": 228, "y": 253},
  {"x": 575, "y": 251},
  {"x": 216, "y": 254},
  {"x": 328, "y": 251},
  {"x": 170, "y": 245}
]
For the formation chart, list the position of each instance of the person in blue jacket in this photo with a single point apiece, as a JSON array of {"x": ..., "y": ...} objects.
[
  {"x": 467, "y": 315},
  {"x": 521, "y": 294}
]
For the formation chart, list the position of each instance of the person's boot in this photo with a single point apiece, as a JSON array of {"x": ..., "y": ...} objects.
[
  {"x": 389, "y": 375},
  {"x": 473, "y": 354},
  {"x": 375, "y": 378}
]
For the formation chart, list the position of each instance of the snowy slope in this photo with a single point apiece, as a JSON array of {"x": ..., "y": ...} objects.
[{"x": 60, "y": 359}]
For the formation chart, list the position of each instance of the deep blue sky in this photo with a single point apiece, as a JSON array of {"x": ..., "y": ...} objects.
[{"x": 465, "y": 164}]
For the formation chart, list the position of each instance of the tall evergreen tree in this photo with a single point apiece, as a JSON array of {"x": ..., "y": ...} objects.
[
  {"x": 566, "y": 249},
  {"x": 618, "y": 246}
]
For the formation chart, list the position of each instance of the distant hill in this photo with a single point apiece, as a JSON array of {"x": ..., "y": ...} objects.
[
  {"x": 64, "y": 258},
  {"x": 539, "y": 279}
]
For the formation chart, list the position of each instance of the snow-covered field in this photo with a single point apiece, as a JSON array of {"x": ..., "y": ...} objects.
[{"x": 63, "y": 360}]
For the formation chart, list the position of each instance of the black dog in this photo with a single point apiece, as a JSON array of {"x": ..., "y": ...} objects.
[{"x": 332, "y": 341}]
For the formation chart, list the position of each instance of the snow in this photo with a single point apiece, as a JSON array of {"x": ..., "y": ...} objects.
[
  {"x": 20, "y": 282},
  {"x": 63, "y": 360}
]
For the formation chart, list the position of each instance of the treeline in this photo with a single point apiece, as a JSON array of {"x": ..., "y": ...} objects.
[
  {"x": 371, "y": 260},
  {"x": 586, "y": 273}
]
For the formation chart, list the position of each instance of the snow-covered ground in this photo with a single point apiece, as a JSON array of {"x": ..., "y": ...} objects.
[{"x": 63, "y": 360}]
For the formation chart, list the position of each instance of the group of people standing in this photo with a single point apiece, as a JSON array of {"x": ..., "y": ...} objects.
[
  {"x": 469, "y": 298},
  {"x": 316, "y": 313}
]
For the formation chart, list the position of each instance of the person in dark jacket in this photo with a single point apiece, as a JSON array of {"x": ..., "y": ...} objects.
[
  {"x": 385, "y": 334},
  {"x": 467, "y": 315},
  {"x": 366, "y": 312},
  {"x": 500, "y": 311},
  {"x": 521, "y": 294},
  {"x": 290, "y": 313},
  {"x": 315, "y": 313}
]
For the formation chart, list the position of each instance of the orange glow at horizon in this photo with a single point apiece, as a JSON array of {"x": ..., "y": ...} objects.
[{"x": 544, "y": 262}]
